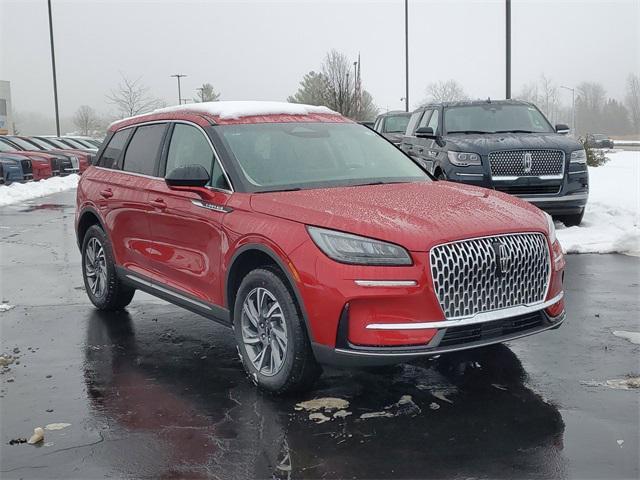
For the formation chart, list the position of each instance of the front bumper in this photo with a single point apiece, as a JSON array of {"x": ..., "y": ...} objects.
[
  {"x": 572, "y": 203},
  {"x": 448, "y": 339}
]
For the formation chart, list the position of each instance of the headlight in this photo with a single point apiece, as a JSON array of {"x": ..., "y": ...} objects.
[
  {"x": 347, "y": 248},
  {"x": 579, "y": 156},
  {"x": 552, "y": 228},
  {"x": 464, "y": 159}
]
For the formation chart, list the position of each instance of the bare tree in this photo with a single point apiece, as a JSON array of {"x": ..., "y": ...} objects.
[
  {"x": 445, "y": 91},
  {"x": 206, "y": 93},
  {"x": 549, "y": 101},
  {"x": 336, "y": 69},
  {"x": 590, "y": 100},
  {"x": 86, "y": 120},
  {"x": 632, "y": 100},
  {"x": 133, "y": 98}
]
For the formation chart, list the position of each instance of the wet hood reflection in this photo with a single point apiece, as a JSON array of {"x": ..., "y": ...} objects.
[{"x": 172, "y": 395}]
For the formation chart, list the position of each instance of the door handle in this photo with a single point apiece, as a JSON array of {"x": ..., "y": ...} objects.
[
  {"x": 158, "y": 203},
  {"x": 106, "y": 193}
]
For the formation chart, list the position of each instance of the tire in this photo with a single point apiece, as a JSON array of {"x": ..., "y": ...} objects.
[
  {"x": 281, "y": 336},
  {"x": 572, "y": 220},
  {"x": 105, "y": 290}
]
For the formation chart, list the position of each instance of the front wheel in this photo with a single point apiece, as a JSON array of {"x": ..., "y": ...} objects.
[
  {"x": 271, "y": 336},
  {"x": 572, "y": 220}
]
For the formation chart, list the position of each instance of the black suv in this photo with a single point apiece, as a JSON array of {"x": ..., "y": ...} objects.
[
  {"x": 392, "y": 125},
  {"x": 505, "y": 145}
]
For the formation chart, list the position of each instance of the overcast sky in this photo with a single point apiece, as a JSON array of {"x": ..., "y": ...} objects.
[{"x": 261, "y": 49}]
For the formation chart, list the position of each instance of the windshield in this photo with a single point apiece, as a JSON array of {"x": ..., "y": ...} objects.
[
  {"x": 284, "y": 156},
  {"x": 495, "y": 118},
  {"x": 396, "y": 124},
  {"x": 26, "y": 145},
  {"x": 5, "y": 147}
]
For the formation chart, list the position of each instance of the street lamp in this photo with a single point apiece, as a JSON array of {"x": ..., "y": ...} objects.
[
  {"x": 508, "y": 49},
  {"x": 179, "y": 76},
  {"x": 406, "y": 55},
  {"x": 53, "y": 67},
  {"x": 573, "y": 107}
]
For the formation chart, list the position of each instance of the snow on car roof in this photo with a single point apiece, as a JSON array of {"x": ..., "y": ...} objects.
[{"x": 239, "y": 109}]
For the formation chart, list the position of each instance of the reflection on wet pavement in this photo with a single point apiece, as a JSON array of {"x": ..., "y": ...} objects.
[{"x": 185, "y": 408}]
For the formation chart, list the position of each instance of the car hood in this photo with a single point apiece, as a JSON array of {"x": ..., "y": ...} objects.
[
  {"x": 13, "y": 156},
  {"x": 483, "y": 144},
  {"x": 415, "y": 215}
]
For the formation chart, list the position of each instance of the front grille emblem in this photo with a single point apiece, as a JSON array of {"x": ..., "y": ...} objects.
[
  {"x": 503, "y": 259},
  {"x": 527, "y": 162}
]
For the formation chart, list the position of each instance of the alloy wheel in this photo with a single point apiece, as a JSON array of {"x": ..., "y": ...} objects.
[
  {"x": 264, "y": 331},
  {"x": 95, "y": 267}
]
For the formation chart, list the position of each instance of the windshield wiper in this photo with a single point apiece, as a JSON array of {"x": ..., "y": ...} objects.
[
  {"x": 293, "y": 189},
  {"x": 467, "y": 131},
  {"x": 513, "y": 131},
  {"x": 379, "y": 182}
]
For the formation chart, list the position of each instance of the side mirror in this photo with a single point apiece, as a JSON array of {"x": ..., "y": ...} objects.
[
  {"x": 188, "y": 176},
  {"x": 562, "y": 128},
  {"x": 425, "y": 132}
]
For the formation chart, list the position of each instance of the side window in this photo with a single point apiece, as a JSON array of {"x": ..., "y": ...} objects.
[
  {"x": 433, "y": 121},
  {"x": 111, "y": 154},
  {"x": 378, "y": 125},
  {"x": 142, "y": 153},
  {"x": 189, "y": 146},
  {"x": 413, "y": 122},
  {"x": 424, "y": 122}
]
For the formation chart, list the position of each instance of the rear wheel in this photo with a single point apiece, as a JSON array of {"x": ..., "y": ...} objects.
[
  {"x": 271, "y": 335},
  {"x": 105, "y": 290},
  {"x": 572, "y": 220}
]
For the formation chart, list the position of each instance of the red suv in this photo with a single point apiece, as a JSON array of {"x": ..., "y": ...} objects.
[{"x": 313, "y": 237}]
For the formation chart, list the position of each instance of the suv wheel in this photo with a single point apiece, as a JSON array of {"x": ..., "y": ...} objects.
[
  {"x": 572, "y": 220},
  {"x": 105, "y": 290},
  {"x": 271, "y": 335}
]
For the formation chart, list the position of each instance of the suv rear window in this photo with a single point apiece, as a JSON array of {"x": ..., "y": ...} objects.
[
  {"x": 112, "y": 153},
  {"x": 143, "y": 149}
]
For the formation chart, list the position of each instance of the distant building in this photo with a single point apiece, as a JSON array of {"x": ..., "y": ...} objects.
[{"x": 6, "y": 117}]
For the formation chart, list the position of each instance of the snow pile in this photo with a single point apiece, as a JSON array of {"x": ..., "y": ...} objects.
[
  {"x": 612, "y": 220},
  {"x": 240, "y": 109},
  {"x": 21, "y": 192}
]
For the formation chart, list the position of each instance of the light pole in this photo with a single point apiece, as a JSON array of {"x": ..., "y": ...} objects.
[
  {"x": 53, "y": 67},
  {"x": 573, "y": 107},
  {"x": 406, "y": 55},
  {"x": 179, "y": 76},
  {"x": 508, "y": 45}
]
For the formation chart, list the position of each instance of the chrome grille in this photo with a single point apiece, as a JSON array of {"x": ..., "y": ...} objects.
[
  {"x": 517, "y": 163},
  {"x": 469, "y": 278}
]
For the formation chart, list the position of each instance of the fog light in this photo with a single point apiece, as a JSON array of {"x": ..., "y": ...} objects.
[{"x": 556, "y": 309}]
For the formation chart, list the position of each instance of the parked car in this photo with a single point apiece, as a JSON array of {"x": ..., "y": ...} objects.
[
  {"x": 43, "y": 164},
  {"x": 318, "y": 241},
  {"x": 15, "y": 168},
  {"x": 69, "y": 162},
  {"x": 392, "y": 125},
  {"x": 75, "y": 144},
  {"x": 367, "y": 124},
  {"x": 598, "y": 140},
  {"x": 505, "y": 145},
  {"x": 89, "y": 143},
  {"x": 83, "y": 155}
]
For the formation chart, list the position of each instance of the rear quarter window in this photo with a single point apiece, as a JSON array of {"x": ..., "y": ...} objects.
[{"x": 112, "y": 152}]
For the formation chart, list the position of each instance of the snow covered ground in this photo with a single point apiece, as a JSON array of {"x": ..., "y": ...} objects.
[
  {"x": 21, "y": 192},
  {"x": 612, "y": 220},
  {"x": 611, "y": 223}
]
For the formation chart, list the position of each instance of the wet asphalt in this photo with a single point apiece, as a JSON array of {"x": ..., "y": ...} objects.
[{"x": 158, "y": 392}]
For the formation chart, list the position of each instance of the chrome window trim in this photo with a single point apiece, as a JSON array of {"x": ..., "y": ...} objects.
[
  {"x": 478, "y": 318},
  {"x": 186, "y": 122},
  {"x": 546, "y": 238}
]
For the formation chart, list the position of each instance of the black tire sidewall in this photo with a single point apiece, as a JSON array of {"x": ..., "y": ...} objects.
[
  {"x": 274, "y": 284},
  {"x": 98, "y": 233}
]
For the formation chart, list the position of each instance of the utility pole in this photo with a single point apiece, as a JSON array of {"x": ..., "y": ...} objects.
[
  {"x": 573, "y": 107},
  {"x": 53, "y": 66},
  {"x": 179, "y": 76},
  {"x": 508, "y": 43},
  {"x": 406, "y": 55}
]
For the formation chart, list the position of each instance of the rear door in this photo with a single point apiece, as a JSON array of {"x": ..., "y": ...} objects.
[
  {"x": 127, "y": 172},
  {"x": 408, "y": 143},
  {"x": 187, "y": 226}
]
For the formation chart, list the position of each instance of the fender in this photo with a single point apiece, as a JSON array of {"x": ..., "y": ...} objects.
[
  {"x": 83, "y": 211},
  {"x": 283, "y": 266}
]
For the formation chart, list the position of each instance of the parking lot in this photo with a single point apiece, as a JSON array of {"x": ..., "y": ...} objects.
[{"x": 159, "y": 392}]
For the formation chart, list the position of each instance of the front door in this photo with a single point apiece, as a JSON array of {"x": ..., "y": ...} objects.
[{"x": 186, "y": 226}]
